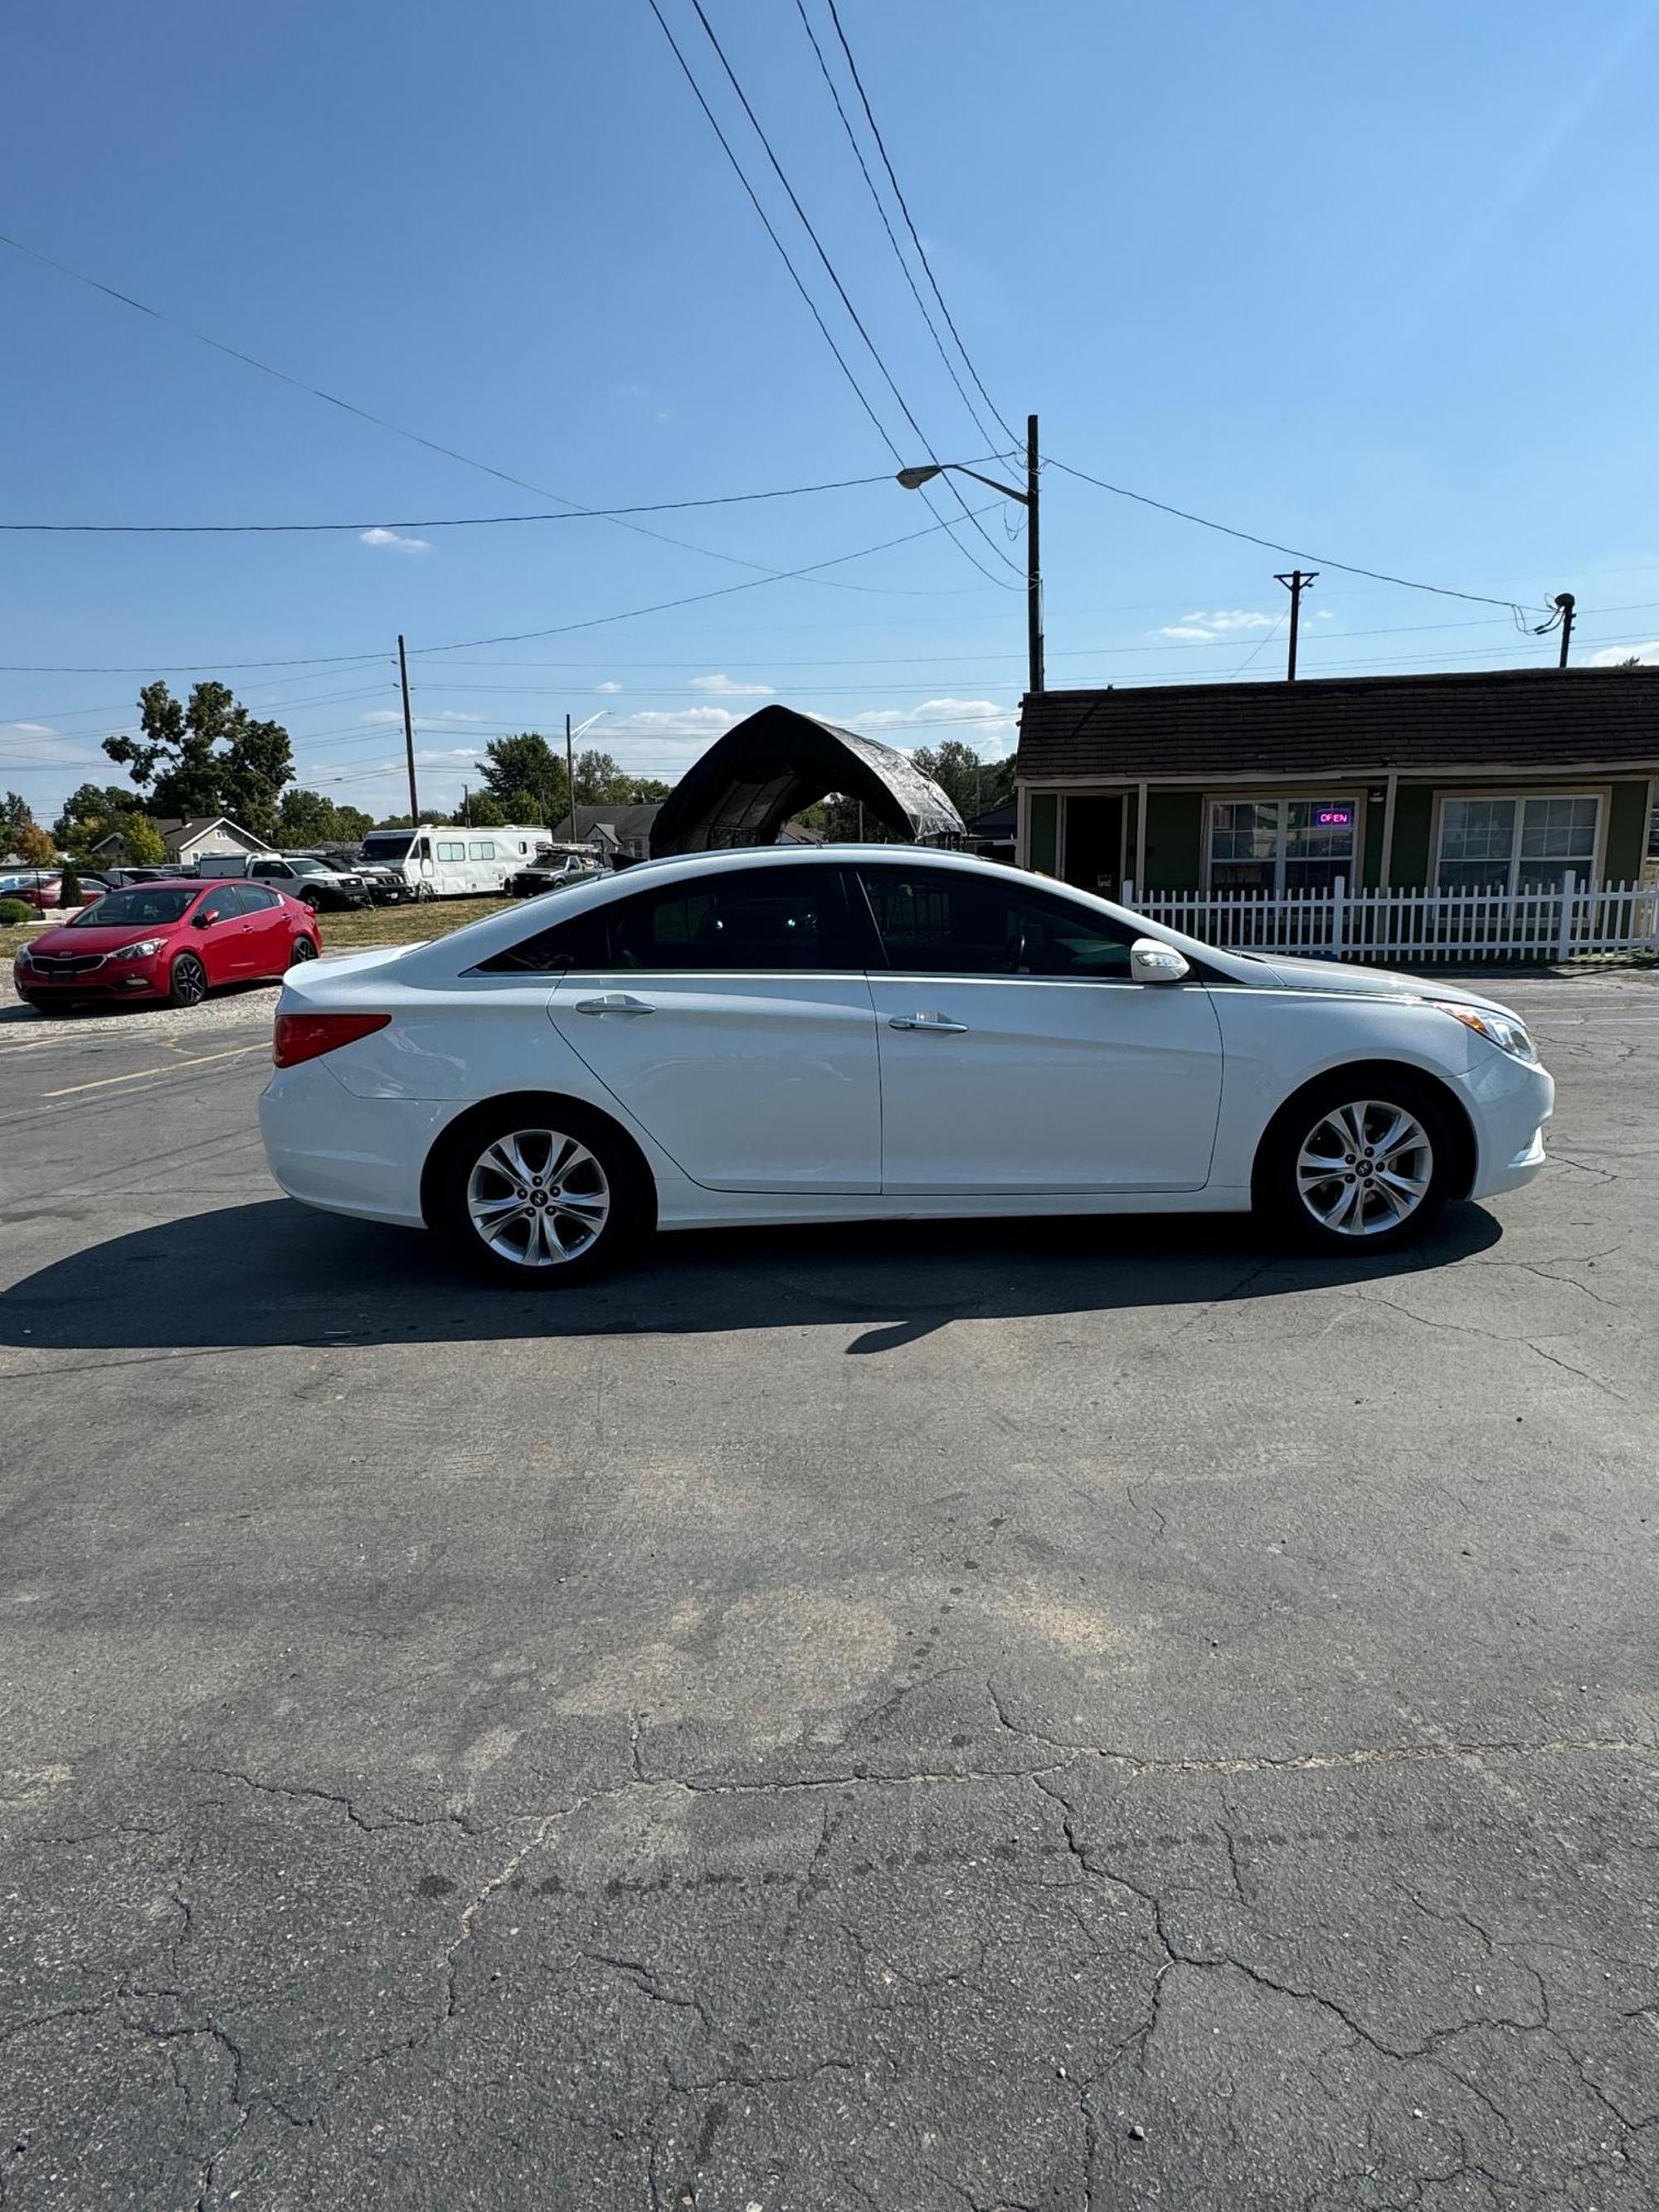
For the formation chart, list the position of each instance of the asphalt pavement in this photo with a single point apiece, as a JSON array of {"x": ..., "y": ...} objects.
[{"x": 1086, "y": 1715}]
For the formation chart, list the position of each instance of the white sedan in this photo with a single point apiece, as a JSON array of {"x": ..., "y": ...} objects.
[{"x": 875, "y": 1032}]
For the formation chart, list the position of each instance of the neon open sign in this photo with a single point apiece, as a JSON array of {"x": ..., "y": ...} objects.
[{"x": 1334, "y": 817}]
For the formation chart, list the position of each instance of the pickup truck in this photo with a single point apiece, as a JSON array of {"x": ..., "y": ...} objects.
[{"x": 298, "y": 874}]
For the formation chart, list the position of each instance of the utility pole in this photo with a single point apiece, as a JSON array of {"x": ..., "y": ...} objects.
[
  {"x": 1566, "y": 603},
  {"x": 466, "y": 808},
  {"x": 1296, "y": 583},
  {"x": 409, "y": 733},
  {"x": 570, "y": 775},
  {"x": 1033, "y": 564}
]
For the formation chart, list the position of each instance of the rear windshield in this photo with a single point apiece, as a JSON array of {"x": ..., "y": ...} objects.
[
  {"x": 143, "y": 902},
  {"x": 387, "y": 848}
]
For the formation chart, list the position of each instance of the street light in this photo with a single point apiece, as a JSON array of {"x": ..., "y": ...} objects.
[
  {"x": 570, "y": 737},
  {"x": 913, "y": 480}
]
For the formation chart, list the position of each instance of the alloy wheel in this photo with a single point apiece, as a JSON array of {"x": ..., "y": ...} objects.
[
  {"x": 538, "y": 1197},
  {"x": 301, "y": 950},
  {"x": 1364, "y": 1167},
  {"x": 189, "y": 982}
]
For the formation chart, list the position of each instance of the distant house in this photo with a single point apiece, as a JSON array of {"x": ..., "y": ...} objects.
[
  {"x": 209, "y": 837},
  {"x": 1490, "y": 782},
  {"x": 619, "y": 832}
]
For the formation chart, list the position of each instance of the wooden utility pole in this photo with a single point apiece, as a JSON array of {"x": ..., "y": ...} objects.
[
  {"x": 570, "y": 776},
  {"x": 409, "y": 733},
  {"x": 1033, "y": 564},
  {"x": 1296, "y": 583}
]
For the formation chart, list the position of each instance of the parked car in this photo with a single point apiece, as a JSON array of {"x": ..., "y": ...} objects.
[
  {"x": 386, "y": 886},
  {"x": 94, "y": 882},
  {"x": 554, "y": 870},
  {"x": 40, "y": 888},
  {"x": 174, "y": 940},
  {"x": 295, "y": 874},
  {"x": 770, "y": 1036}
]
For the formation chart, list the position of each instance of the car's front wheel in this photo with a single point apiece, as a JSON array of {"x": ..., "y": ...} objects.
[
  {"x": 189, "y": 985},
  {"x": 1357, "y": 1163},
  {"x": 540, "y": 1195}
]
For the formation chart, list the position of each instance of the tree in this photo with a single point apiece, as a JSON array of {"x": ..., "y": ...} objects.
[
  {"x": 305, "y": 817},
  {"x": 33, "y": 845},
  {"x": 525, "y": 778},
  {"x": 70, "y": 893},
  {"x": 207, "y": 757},
  {"x": 141, "y": 841},
  {"x": 91, "y": 812},
  {"x": 485, "y": 811},
  {"x": 972, "y": 784},
  {"x": 14, "y": 811}
]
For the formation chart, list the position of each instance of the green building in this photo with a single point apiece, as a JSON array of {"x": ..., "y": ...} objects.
[{"x": 1500, "y": 781}]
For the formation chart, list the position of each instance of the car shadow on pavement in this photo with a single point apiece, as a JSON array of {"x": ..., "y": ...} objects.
[{"x": 274, "y": 1273}]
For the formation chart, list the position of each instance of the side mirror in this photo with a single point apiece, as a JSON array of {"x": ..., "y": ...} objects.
[
  {"x": 1153, "y": 962},
  {"x": 207, "y": 916}
]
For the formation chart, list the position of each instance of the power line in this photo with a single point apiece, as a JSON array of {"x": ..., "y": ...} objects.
[
  {"x": 864, "y": 169},
  {"x": 1295, "y": 552},
  {"x": 829, "y": 267},
  {"x": 441, "y": 522},
  {"x": 380, "y": 422},
  {"x": 915, "y": 235}
]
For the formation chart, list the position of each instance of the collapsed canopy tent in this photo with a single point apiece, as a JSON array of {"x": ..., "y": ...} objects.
[{"x": 777, "y": 761}]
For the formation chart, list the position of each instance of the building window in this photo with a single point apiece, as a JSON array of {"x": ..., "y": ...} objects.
[
  {"x": 1514, "y": 843},
  {"x": 1281, "y": 845}
]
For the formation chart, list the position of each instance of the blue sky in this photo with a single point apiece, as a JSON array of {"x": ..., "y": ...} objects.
[{"x": 1375, "y": 280}]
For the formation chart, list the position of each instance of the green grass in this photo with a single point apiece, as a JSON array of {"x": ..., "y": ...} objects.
[
  {"x": 402, "y": 925},
  {"x": 11, "y": 939}
]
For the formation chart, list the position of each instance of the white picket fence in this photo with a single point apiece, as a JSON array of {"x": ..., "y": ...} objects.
[{"x": 1417, "y": 926}]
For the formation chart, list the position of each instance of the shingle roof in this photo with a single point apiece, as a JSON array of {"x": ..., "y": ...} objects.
[{"x": 1529, "y": 718}]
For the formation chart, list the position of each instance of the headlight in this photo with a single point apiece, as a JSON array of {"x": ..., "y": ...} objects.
[
  {"x": 25, "y": 958},
  {"x": 1501, "y": 1030},
  {"x": 141, "y": 950}
]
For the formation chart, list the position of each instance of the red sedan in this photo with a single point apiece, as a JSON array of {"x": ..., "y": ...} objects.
[{"x": 175, "y": 941}]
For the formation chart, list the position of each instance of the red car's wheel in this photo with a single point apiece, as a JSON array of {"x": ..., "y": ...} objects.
[
  {"x": 299, "y": 952},
  {"x": 189, "y": 982}
]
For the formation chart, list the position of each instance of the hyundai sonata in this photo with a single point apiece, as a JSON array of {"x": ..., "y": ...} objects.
[{"x": 875, "y": 1032}]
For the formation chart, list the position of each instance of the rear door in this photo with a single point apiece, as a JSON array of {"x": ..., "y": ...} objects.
[
  {"x": 1017, "y": 1056},
  {"x": 731, "y": 1017},
  {"x": 268, "y": 932}
]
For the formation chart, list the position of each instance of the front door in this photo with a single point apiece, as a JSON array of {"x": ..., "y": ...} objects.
[
  {"x": 1017, "y": 1056},
  {"x": 732, "y": 1019}
]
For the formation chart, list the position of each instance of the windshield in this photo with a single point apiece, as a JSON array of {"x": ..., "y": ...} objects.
[
  {"x": 308, "y": 867},
  {"x": 387, "y": 848},
  {"x": 145, "y": 902}
]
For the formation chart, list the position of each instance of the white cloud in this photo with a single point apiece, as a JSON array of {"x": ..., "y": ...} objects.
[
  {"x": 975, "y": 721},
  {"x": 1611, "y": 655},
  {"x": 389, "y": 537},
  {"x": 421, "y": 721},
  {"x": 705, "y": 722},
  {"x": 728, "y": 688},
  {"x": 1201, "y": 628},
  {"x": 607, "y": 687},
  {"x": 38, "y": 746}
]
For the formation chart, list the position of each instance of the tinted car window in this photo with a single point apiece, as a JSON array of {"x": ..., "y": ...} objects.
[
  {"x": 255, "y": 900},
  {"x": 938, "y": 921},
  {"x": 137, "y": 905},
  {"x": 227, "y": 901},
  {"x": 764, "y": 920}
]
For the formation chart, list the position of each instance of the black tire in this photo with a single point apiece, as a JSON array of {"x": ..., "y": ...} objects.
[
  {"x": 299, "y": 952},
  {"x": 1343, "y": 1121},
  {"x": 188, "y": 984},
  {"x": 552, "y": 1139}
]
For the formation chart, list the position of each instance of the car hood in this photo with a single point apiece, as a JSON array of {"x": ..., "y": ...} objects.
[
  {"x": 81, "y": 944},
  {"x": 1338, "y": 977}
]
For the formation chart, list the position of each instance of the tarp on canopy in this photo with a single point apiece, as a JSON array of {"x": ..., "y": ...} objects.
[{"x": 777, "y": 761}]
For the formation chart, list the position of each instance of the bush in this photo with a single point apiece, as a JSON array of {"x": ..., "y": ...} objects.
[
  {"x": 70, "y": 893},
  {"x": 13, "y": 912}
]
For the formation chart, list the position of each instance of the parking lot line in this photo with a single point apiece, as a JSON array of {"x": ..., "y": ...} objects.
[{"x": 235, "y": 1052}]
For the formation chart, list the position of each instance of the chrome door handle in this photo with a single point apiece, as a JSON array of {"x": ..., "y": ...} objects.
[
  {"x": 940, "y": 1024},
  {"x": 614, "y": 1002}
]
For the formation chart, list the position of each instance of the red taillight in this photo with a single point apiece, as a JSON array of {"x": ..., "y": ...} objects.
[{"x": 303, "y": 1036}]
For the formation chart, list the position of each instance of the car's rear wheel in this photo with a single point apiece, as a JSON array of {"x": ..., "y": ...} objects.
[
  {"x": 299, "y": 952},
  {"x": 540, "y": 1195},
  {"x": 189, "y": 984},
  {"x": 1357, "y": 1163}
]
